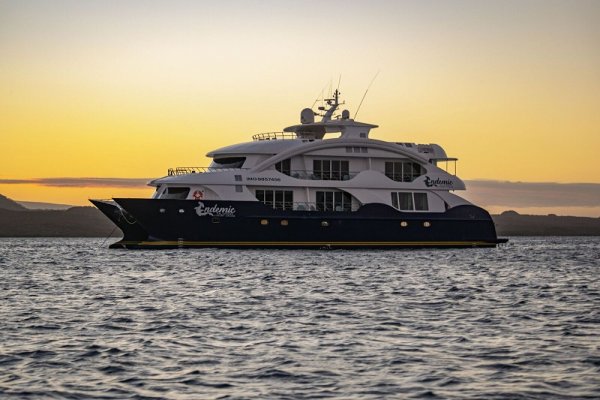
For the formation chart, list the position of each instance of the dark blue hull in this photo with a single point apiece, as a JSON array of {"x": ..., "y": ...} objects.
[{"x": 153, "y": 223}]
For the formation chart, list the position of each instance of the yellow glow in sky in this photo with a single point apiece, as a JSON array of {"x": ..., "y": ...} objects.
[{"x": 129, "y": 89}]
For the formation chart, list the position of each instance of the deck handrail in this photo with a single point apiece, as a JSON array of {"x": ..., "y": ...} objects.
[
  {"x": 308, "y": 206},
  {"x": 315, "y": 176},
  {"x": 199, "y": 170},
  {"x": 274, "y": 136}
]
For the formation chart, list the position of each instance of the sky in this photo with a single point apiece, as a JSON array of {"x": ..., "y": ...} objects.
[{"x": 96, "y": 94}]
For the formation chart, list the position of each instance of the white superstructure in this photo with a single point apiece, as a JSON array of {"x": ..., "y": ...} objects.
[{"x": 329, "y": 165}]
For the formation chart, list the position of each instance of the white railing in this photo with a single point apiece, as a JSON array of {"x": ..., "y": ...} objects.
[
  {"x": 321, "y": 176},
  {"x": 309, "y": 206},
  {"x": 198, "y": 170},
  {"x": 274, "y": 136}
]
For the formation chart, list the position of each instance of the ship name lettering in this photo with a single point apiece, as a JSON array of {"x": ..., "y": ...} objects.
[
  {"x": 214, "y": 211},
  {"x": 437, "y": 182}
]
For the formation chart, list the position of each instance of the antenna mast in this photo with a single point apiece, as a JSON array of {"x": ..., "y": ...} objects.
[{"x": 365, "y": 95}]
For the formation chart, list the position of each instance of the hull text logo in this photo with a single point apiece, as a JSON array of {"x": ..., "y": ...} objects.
[
  {"x": 437, "y": 182},
  {"x": 214, "y": 211}
]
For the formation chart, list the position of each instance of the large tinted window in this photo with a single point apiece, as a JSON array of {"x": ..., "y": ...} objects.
[
  {"x": 403, "y": 171},
  {"x": 180, "y": 193},
  {"x": 408, "y": 201},
  {"x": 335, "y": 170},
  {"x": 228, "y": 162},
  {"x": 277, "y": 199},
  {"x": 333, "y": 201},
  {"x": 421, "y": 202},
  {"x": 284, "y": 166}
]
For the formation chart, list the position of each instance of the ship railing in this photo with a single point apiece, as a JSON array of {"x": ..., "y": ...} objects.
[
  {"x": 274, "y": 136},
  {"x": 310, "y": 206},
  {"x": 199, "y": 170},
  {"x": 321, "y": 175}
]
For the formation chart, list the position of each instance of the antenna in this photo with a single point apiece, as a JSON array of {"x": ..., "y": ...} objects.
[
  {"x": 319, "y": 97},
  {"x": 339, "y": 81},
  {"x": 365, "y": 95}
]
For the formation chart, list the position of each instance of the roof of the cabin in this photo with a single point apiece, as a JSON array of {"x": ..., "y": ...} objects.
[{"x": 258, "y": 147}]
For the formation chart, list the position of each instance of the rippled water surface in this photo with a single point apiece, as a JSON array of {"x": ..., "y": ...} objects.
[{"x": 80, "y": 321}]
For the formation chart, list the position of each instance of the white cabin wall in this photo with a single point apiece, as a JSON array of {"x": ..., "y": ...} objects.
[
  {"x": 452, "y": 199},
  {"x": 228, "y": 192},
  {"x": 436, "y": 203},
  {"x": 297, "y": 163},
  {"x": 254, "y": 159}
]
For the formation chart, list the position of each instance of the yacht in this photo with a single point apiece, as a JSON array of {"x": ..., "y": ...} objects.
[{"x": 317, "y": 184}]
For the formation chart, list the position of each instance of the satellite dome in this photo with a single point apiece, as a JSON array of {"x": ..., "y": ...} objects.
[{"x": 307, "y": 116}]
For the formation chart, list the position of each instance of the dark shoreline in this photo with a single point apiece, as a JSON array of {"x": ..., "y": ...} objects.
[{"x": 89, "y": 222}]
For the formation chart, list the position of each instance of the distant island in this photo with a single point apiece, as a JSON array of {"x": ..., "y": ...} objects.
[
  {"x": 18, "y": 221},
  {"x": 49, "y": 220}
]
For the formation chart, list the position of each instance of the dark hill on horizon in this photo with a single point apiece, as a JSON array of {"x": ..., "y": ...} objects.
[
  {"x": 8, "y": 204},
  {"x": 17, "y": 221},
  {"x": 510, "y": 223}
]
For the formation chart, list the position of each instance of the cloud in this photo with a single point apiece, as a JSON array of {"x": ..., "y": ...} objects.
[
  {"x": 80, "y": 182},
  {"x": 532, "y": 194}
]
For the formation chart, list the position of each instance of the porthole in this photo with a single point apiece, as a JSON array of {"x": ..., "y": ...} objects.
[
  {"x": 181, "y": 211},
  {"x": 324, "y": 223},
  {"x": 216, "y": 220},
  {"x": 404, "y": 224},
  {"x": 162, "y": 210},
  {"x": 426, "y": 224},
  {"x": 284, "y": 222},
  {"x": 264, "y": 222}
]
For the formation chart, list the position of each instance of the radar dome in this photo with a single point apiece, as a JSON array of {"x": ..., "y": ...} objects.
[
  {"x": 345, "y": 114},
  {"x": 307, "y": 116}
]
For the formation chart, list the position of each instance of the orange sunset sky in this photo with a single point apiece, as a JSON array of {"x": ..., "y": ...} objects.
[{"x": 122, "y": 90}]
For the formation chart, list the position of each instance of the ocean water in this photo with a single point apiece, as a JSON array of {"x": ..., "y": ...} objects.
[{"x": 80, "y": 321}]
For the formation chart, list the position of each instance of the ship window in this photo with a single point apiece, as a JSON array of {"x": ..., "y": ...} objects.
[
  {"x": 179, "y": 193},
  {"x": 288, "y": 200},
  {"x": 284, "y": 166},
  {"x": 277, "y": 199},
  {"x": 238, "y": 178},
  {"x": 335, "y": 170},
  {"x": 229, "y": 162},
  {"x": 421, "y": 201},
  {"x": 403, "y": 171},
  {"x": 260, "y": 195},
  {"x": 239, "y": 188},
  {"x": 269, "y": 198},
  {"x": 407, "y": 201},
  {"x": 333, "y": 201}
]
